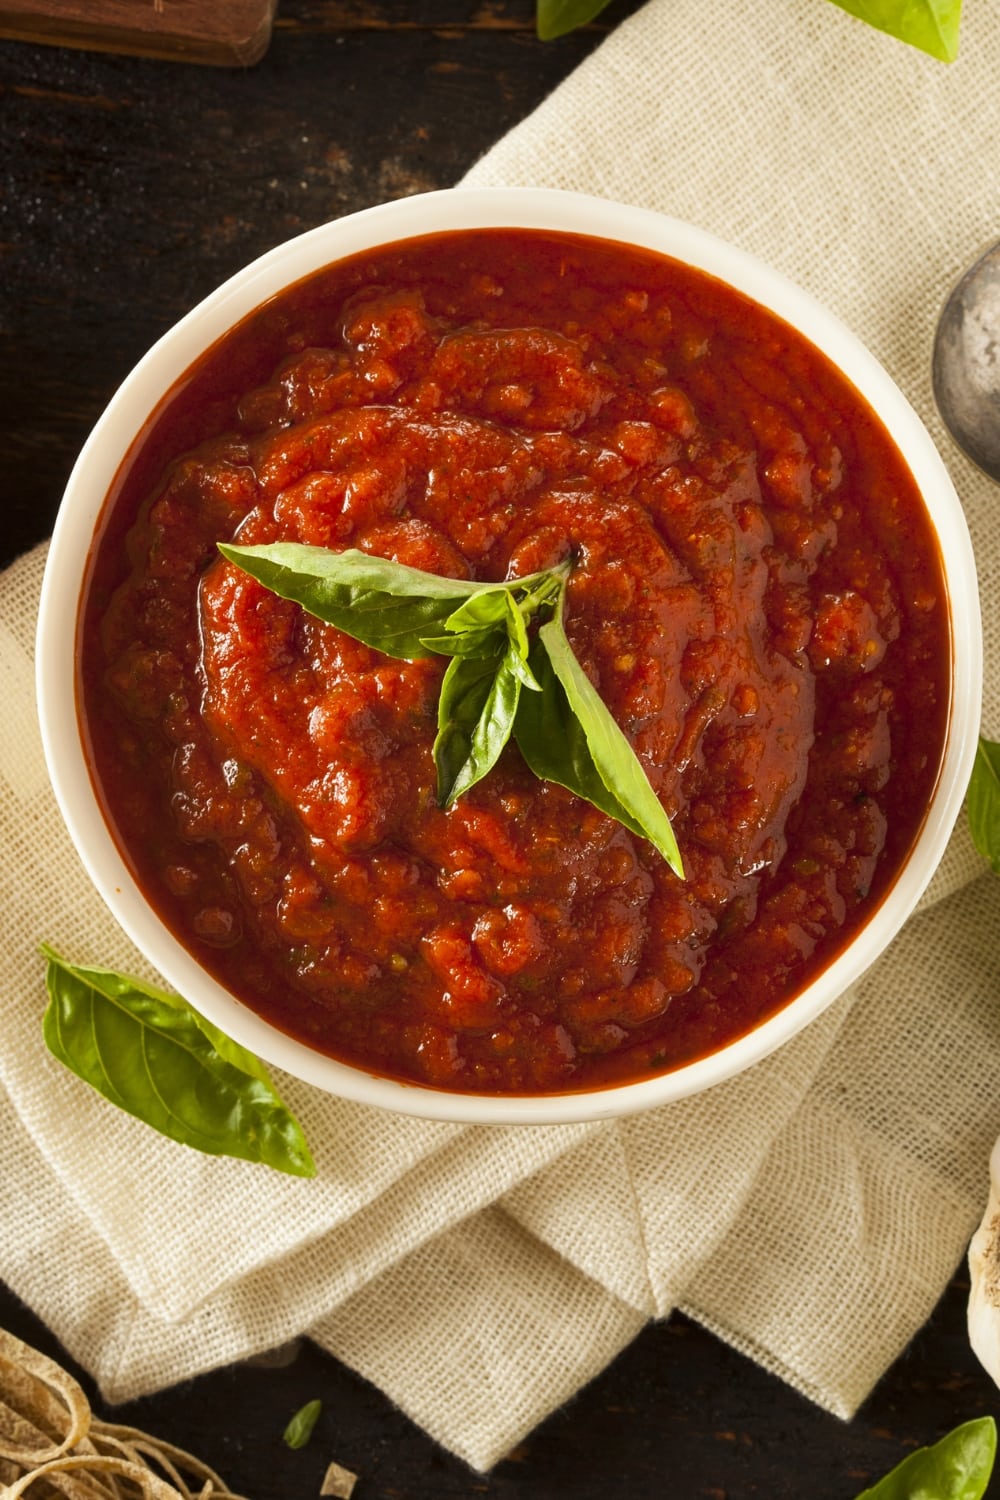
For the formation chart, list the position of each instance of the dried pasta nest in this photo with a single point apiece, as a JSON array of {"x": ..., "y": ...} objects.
[{"x": 52, "y": 1445}]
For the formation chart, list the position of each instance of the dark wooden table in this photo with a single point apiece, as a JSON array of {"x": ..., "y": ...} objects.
[{"x": 130, "y": 188}]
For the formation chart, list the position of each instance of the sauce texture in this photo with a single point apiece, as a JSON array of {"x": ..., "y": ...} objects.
[{"x": 756, "y": 594}]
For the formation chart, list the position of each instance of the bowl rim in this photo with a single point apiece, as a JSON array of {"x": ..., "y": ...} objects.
[{"x": 166, "y": 362}]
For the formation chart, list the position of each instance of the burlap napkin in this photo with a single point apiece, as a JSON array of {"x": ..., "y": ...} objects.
[{"x": 810, "y": 1211}]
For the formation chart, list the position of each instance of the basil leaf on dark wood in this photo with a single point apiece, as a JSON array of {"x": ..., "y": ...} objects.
[
  {"x": 556, "y": 17},
  {"x": 567, "y": 734},
  {"x": 475, "y": 716},
  {"x": 300, "y": 1427},
  {"x": 983, "y": 801},
  {"x": 154, "y": 1056},
  {"x": 930, "y": 25},
  {"x": 956, "y": 1468}
]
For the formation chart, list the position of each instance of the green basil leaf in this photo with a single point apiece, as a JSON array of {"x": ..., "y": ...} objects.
[
  {"x": 475, "y": 718},
  {"x": 552, "y": 741},
  {"x": 384, "y": 604},
  {"x": 566, "y": 734},
  {"x": 486, "y": 641},
  {"x": 154, "y": 1056},
  {"x": 300, "y": 1428},
  {"x": 517, "y": 630},
  {"x": 956, "y": 1468},
  {"x": 556, "y": 17},
  {"x": 522, "y": 671},
  {"x": 930, "y": 25},
  {"x": 485, "y": 609},
  {"x": 478, "y": 625},
  {"x": 464, "y": 691},
  {"x": 983, "y": 801}
]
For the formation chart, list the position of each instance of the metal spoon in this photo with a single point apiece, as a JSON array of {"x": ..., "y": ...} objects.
[{"x": 965, "y": 367}]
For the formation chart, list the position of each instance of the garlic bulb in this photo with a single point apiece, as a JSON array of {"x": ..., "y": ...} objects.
[{"x": 984, "y": 1270}]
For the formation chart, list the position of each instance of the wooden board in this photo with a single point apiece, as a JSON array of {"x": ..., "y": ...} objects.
[{"x": 224, "y": 33}]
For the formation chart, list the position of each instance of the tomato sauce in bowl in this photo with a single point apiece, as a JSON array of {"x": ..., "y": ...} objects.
[{"x": 757, "y": 593}]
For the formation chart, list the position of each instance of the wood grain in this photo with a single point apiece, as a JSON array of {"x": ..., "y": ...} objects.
[{"x": 223, "y": 33}]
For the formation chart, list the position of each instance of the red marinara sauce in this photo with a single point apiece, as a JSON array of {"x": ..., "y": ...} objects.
[{"x": 757, "y": 595}]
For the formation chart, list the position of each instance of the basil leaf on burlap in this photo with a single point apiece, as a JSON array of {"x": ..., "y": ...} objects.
[
  {"x": 982, "y": 801},
  {"x": 930, "y": 25},
  {"x": 155, "y": 1057}
]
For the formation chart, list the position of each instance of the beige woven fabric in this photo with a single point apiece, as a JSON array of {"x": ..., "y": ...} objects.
[{"x": 812, "y": 1210}]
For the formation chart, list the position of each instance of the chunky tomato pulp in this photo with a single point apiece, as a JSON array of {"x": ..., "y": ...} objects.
[{"x": 756, "y": 593}]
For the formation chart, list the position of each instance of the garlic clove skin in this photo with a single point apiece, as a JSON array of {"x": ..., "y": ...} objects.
[{"x": 984, "y": 1271}]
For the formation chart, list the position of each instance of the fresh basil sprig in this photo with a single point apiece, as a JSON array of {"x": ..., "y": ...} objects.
[
  {"x": 154, "y": 1056},
  {"x": 956, "y": 1468},
  {"x": 930, "y": 25},
  {"x": 983, "y": 801},
  {"x": 501, "y": 682}
]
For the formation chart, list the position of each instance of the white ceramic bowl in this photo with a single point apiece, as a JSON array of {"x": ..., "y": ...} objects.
[{"x": 182, "y": 345}]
